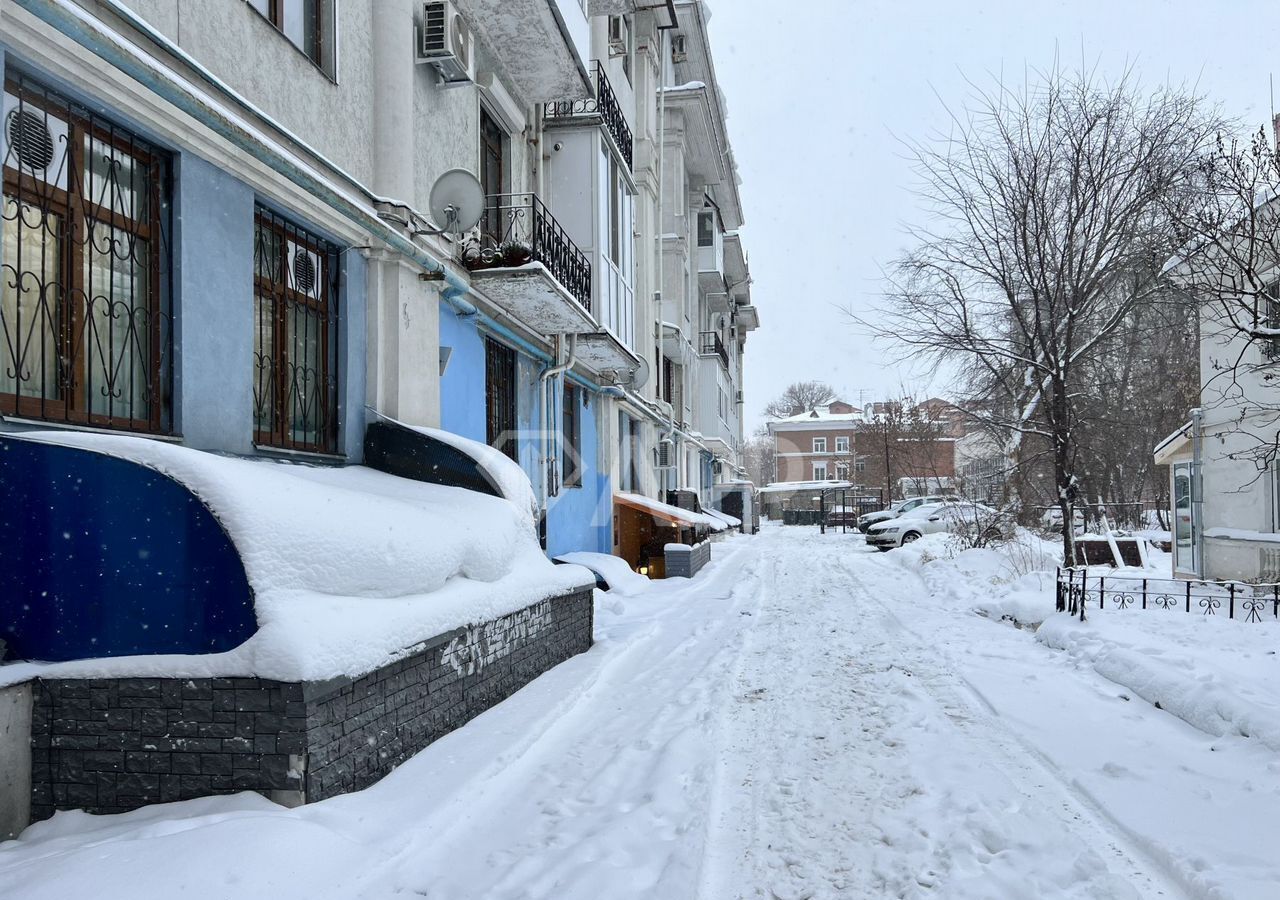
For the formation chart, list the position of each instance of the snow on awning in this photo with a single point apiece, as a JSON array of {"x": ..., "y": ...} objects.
[
  {"x": 668, "y": 513},
  {"x": 349, "y": 566},
  {"x": 1175, "y": 445}
]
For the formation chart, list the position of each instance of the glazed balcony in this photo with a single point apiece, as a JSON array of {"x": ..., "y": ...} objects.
[
  {"x": 521, "y": 258},
  {"x": 603, "y": 107}
]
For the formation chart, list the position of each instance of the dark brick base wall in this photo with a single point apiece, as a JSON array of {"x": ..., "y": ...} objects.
[{"x": 110, "y": 745}]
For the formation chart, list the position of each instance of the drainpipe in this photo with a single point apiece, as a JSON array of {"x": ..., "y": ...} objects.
[
  {"x": 547, "y": 439},
  {"x": 1197, "y": 491}
]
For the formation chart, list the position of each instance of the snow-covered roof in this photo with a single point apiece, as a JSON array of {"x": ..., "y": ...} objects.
[
  {"x": 1173, "y": 445},
  {"x": 349, "y": 566},
  {"x": 666, "y": 510},
  {"x": 779, "y": 486},
  {"x": 819, "y": 416}
]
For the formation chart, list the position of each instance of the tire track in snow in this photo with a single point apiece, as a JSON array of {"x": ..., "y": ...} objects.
[
  {"x": 853, "y": 768},
  {"x": 1030, "y": 771},
  {"x": 610, "y": 799}
]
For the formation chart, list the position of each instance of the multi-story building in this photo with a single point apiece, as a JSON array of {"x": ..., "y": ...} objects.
[
  {"x": 819, "y": 445},
  {"x": 703, "y": 288},
  {"x": 267, "y": 278}
]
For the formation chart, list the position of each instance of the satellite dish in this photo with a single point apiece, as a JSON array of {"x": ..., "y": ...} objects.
[
  {"x": 456, "y": 202},
  {"x": 641, "y": 375}
]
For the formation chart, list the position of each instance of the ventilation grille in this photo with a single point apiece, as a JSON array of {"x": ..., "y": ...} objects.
[
  {"x": 304, "y": 272},
  {"x": 434, "y": 31},
  {"x": 29, "y": 137}
]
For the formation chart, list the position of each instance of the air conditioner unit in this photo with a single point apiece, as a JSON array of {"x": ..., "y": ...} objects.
[
  {"x": 445, "y": 42},
  {"x": 666, "y": 454},
  {"x": 737, "y": 397}
]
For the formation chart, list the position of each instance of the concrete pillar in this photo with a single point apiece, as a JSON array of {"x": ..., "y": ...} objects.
[
  {"x": 15, "y": 759},
  {"x": 403, "y": 315}
]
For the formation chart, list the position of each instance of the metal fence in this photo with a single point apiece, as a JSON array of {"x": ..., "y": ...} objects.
[{"x": 1078, "y": 589}]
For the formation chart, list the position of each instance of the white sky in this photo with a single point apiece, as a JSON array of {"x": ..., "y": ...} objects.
[{"x": 820, "y": 92}]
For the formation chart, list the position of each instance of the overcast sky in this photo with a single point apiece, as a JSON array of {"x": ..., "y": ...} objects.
[{"x": 820, "y": 92}]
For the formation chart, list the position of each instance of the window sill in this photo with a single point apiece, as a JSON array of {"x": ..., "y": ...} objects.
[
  {"x": 301, "y": 455},
  {"x": 91, "y": 429}
]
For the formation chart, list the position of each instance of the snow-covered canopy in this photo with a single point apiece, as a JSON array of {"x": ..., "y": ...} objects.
[
  {"x": 667, "y": 511},
  {"x": 349, "y": 566}
]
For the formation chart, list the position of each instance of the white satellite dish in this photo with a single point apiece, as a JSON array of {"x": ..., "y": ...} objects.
[
  {"x": 641, "y": 375},
  {"x": 456, "y": 202}
]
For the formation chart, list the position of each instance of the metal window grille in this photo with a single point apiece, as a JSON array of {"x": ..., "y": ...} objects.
[
  {"x": 295, "y": 339},
  {"x": 85, "y": 329},
  {"x": 500, "y": 397}
]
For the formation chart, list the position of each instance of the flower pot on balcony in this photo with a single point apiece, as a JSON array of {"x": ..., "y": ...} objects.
[{"x": 516, "y": 253}]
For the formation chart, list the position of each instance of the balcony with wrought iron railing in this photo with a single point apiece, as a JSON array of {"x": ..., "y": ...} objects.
[
  {"x": 709, "y": 343},
  {"x": 518, "y": 230},
  {"x": 603, "y": 105}
]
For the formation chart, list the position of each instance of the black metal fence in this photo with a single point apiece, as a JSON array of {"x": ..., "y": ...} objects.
[
  {"x": 605, "y": 105},
  {"x": 1078, "y": 589},
  {"x": 517, "y": 229},
  {"x": 839, "y": 509}
]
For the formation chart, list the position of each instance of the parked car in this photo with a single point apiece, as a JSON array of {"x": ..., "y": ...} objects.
[
  {"x": 930, "y": 518},
  {"x": 1051, "y": 520},
  {"x": 896, "y": 509}
]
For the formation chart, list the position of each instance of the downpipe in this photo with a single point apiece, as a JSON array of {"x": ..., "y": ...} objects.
[{"x": 547, "y": 440}]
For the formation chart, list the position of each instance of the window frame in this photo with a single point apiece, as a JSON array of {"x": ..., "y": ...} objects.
[
  {"x": 820, "y": 467},
  {"x": 273, "y": 11},
  {"x": 842, "y": 443},
  {"x": 77, "y": 216},
  {"x": 571, "y": 437},
  {"x": 819, "y": 445},
  {"x": 285, "y": 298},
  {"x": 501, "y": 424}
]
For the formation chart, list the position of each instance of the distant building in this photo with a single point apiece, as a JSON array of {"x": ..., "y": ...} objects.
[{"x": 818, "y": 445}]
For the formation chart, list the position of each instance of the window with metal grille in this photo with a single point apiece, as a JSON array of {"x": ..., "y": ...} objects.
[
  {"x": 85, "y": 333},
  {"x": 295, "y": 336},
  {"x": 571, "y": 467},
  {"x": 500, "y": 398}
]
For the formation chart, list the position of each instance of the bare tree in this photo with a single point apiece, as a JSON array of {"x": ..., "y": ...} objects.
[
  {"x": 760, "y": 458},
  {"x": 800, "y": 397},
  {"x": 1052, "y": 219}
]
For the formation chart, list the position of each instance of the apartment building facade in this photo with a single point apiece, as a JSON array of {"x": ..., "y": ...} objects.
[{"x": 238, "y": 193}]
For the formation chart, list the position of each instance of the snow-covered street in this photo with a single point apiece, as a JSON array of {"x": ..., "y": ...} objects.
[{"x": 805, "y": 719}]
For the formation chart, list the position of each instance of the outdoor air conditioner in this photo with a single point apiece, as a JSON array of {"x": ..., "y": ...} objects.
[
  {"x": 737, "y": 397},
  {"x": 666, "y": 454},
  {"x": 445, "y": 42}
]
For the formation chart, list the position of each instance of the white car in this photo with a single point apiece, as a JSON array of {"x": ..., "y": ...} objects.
[
  {"x": 895, "y": 510},
  {"x": 928, "y": 518}
]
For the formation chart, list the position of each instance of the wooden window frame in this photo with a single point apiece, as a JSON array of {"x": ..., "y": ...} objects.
[
  {"x": 75, "y": 208},
  {"x": 284, "y": 299}
]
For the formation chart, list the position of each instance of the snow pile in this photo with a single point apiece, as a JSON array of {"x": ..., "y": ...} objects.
[
  {"x": 612, "y": 569},
  {"x": 1012, "y": 582},
  {"x": 1215, "y": 674},
  {"x": 349, "y": 566},
  {"x": 728, "y": 520},
  {"x": 504, "y": 472}
]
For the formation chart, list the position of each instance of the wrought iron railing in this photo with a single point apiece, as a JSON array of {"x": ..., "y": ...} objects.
[
  {"x": 85, "y": 328},
  {"x": 295, "y": 336},
  {"x": 709, "y": 342},
  {"x": 1078, "y": 589},
  {"x": 517, "y": 229},
  {"x": 605, "y": 105}
]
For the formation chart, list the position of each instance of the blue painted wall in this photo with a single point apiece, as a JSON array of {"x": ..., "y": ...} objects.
[
  {"x": 581, "y": 518},
  {"x": 213, "y": 304},
  {"x": 577, "y": 519},
  {"x": 115, "y": 559}
]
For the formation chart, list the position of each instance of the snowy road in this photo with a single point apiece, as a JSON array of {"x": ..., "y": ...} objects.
[{"x": 789, "y": 725}]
